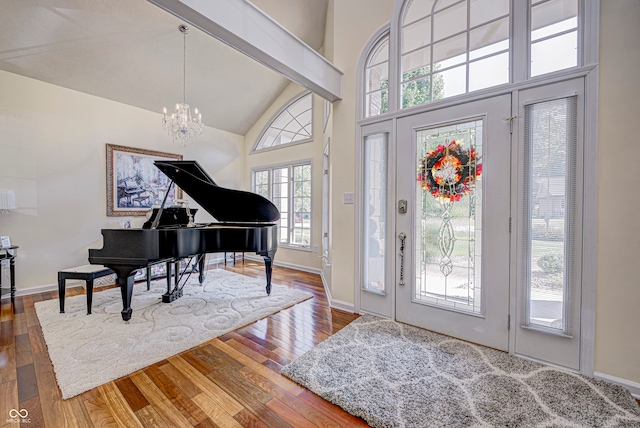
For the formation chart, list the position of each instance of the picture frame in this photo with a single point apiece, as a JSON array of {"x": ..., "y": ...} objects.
[
  {"x": 5, "y": 242},
  {"x": 134, "y": 183}
]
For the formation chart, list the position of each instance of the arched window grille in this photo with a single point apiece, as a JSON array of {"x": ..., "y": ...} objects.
[
  {"x": 293, "y": 124},
  {"x": 377, "y": 79}
]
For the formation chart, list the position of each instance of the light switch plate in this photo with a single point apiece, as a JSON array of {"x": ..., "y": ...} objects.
[{"x": 348, "y": 197}]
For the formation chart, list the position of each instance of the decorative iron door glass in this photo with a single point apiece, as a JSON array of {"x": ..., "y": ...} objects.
[{"x": 449, "y": 216}]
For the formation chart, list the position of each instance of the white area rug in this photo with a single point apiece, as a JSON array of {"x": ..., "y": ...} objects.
[{"x": 90, "y": 350}]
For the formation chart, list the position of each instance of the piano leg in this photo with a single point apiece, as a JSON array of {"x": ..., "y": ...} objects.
[
  {"x": 201, "y": 263},
  {"x": 126, "y": 289},
  {"x": 268, "y": 262}
]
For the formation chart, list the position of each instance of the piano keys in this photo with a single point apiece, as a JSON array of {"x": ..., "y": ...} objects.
[{"x": 247, "y": 223}]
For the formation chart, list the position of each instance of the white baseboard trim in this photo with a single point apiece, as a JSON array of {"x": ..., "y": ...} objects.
[
  {"x": 633, "y": 387},
  {"x": 285, "y": 264},
  {"x": 336, "y": 304},
  {"x": 35, "y": 290},
  {"x": 342, "y": 306}
]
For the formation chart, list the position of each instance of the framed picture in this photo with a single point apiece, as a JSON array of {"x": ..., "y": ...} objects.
[
  {"x": 5, "y": 241},
  {"x": 134, "y": 183}
]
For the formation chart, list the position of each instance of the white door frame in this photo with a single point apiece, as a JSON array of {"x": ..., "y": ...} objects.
[{"x": 588, "y": 307}]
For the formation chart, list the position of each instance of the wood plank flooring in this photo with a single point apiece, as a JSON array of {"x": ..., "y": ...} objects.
[{"x": 231, "y": 381}]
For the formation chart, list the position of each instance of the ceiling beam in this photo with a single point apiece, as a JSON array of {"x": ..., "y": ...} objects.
[{"x": 244, "y": 27}]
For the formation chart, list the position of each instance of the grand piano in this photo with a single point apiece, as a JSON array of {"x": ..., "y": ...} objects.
[{"x": 246, "y": 224}]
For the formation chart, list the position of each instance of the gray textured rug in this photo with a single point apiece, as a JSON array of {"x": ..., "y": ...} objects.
[
  {"x": 394, "y": 375},
  {"x": 89, "y": 350}
]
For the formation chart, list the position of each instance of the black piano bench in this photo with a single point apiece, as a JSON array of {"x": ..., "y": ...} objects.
[{"x": 87, "y": 273}]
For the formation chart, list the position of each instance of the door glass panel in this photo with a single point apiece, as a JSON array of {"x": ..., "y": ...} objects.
[
  {"x": 448, "y": 221},
  {"x": 375, "y": 210},
  {"x": 550, "y": 139}
]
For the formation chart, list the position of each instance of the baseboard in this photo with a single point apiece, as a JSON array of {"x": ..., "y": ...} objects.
[
  {"x": 633, "y": 387},
  {"x": 343, "y": 306},
  {"x": 36, "y": 290},
  {"x": 286, "y": 265}
]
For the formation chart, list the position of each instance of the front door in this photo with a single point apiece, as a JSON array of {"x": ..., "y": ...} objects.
[{"x": 453, "y": 221}]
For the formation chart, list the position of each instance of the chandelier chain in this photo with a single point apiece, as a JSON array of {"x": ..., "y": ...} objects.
[{"x": 184, "y": 66}]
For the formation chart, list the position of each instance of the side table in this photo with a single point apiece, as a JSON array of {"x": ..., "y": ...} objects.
[{"x": 9, "y": 253}]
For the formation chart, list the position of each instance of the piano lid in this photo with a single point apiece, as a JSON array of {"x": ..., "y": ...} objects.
[{"x": 223, "y": 204}]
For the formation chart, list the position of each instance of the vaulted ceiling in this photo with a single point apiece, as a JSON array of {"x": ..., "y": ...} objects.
[{"x": 131, "y": 51}]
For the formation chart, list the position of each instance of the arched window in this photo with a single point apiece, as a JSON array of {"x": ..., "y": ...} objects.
[
  {"x": 377, "y": 76},
  {"x": 438, "y": 49},
  {"x": 451, "y": 47},
  {"x": 293, "y": 124}
]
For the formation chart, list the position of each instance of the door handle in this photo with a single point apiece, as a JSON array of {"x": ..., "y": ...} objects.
[{"x": 402, "y": 236}]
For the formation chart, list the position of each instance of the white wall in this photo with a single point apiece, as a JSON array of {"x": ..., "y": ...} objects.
[
  {"x": 308, "y": 260},
  {"x": 618, "y": 281},
  {"x": 354, "y": 22},
  {"x": 52, "y": 152}
]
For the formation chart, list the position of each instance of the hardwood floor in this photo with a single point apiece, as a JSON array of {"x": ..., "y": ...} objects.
[{"x": 231, "y": 381}]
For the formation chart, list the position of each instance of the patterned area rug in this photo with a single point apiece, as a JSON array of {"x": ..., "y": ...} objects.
[
  {"x": 394, "y": 375},
  {"x": 89, "y": 350}
]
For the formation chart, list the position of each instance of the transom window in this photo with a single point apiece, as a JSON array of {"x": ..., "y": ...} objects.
[
  {"x": 289, "y": 188},
  {"x": 447, "y": 48},
  {"x": 554, "y": 35},
  {"x": 293, "y": 124},
  {"x": 452, "y": 47}
]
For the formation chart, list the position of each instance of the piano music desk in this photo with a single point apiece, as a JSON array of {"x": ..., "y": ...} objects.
[{"x": 87, "y": 273}]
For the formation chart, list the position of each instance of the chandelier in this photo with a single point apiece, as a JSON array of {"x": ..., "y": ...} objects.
[{"x": 181, "y": 125}]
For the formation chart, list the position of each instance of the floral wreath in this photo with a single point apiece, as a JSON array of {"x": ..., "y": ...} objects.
[{"x": 449, "y": 172}]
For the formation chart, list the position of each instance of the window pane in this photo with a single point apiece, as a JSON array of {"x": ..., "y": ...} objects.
[
  {"x": 377, "y": 103},
  {"x": 381, "y": 54},
  {"x": 441, "y": 4},
  {"x": 489, "y": 72},
  {"x": 378, "y": 77},
  {"x": 450, "y": 21},
  {"x": 417, "y": 9},
  {"x": 489, "y": 39},
  {"x": 455, "y": 81},
  {"x": 550, "y": 139},
  {"x": 416, "y": 63},
  {"x": 416, "y": 93},
  {"x": 450, "y": 52},
  {"x": 375, "y": 224},
  {"x": 416, "y": 35},
  {"x": 552, "y": 12},
  {"x": 486, "y": 10},
  {"x": 554, "y": 54}
]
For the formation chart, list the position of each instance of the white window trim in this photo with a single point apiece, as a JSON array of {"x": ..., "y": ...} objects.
[
  {"x": 289, "y": 165},
  {"x": 588, "y": 58},
  {"x": 282, "y": 109}
]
